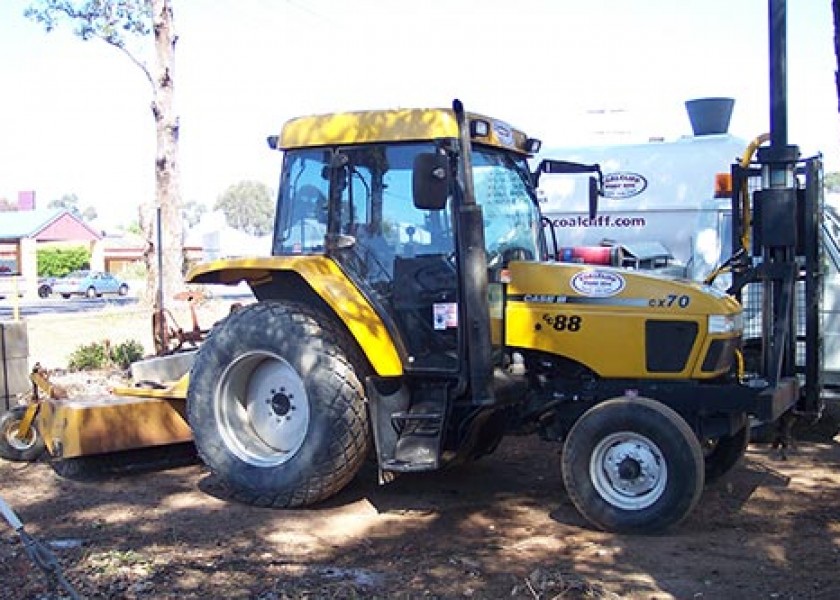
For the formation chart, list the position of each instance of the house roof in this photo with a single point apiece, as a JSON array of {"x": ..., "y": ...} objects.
[{"x": 44, "y": 223}]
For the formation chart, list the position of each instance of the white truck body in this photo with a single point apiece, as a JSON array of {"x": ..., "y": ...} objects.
[
  {"x": 655, "y": 193},
  {"x": 664, "y": 193}
]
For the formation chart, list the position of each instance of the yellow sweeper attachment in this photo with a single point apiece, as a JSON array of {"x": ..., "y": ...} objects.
[{"x": 151, "y": 413}]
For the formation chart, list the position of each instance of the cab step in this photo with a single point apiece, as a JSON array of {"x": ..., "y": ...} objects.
[{"x": 408, "y": 426}]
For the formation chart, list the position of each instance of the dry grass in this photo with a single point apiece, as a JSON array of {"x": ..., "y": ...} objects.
[{"x": 53, "y": 337}]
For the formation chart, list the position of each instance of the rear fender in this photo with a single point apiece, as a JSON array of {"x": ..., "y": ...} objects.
[{"x": 327, "y": 282}]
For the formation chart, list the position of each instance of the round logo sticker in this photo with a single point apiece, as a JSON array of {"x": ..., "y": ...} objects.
[
  {"x": 503, "y": 132},
  {"x": 597, "y": 283},
  {"x": 623, "y": 184}
]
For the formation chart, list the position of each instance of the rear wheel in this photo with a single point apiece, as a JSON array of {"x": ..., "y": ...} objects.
[
  {"x": 632, "y": 465},
  {"x": 91, "y": 292},
  {"x": 277, "y": 407},
  {"x": 123, "y": 290},
  {"x": 13, "y": 444}
]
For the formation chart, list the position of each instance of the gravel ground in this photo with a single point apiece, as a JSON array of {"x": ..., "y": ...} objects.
[{"x": 162, "y": 526}]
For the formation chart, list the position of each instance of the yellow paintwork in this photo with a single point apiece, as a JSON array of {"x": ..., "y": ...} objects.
[
  {"x": 176, "y": 391},
  {"x": 96, "y": 425},
  {"x": 610, "y": 335},
  {"x": 330, "y": 283},
  {"x": 398, "y": 125}
]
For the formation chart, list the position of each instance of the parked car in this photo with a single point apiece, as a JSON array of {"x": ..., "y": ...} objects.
[{"x": 89, "y": 283}]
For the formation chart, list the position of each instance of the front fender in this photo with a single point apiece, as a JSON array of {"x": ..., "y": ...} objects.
[{"x": 327, "y": 281}]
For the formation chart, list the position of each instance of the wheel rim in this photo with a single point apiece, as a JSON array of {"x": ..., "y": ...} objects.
[
  {"x": 262, "y": 409},
  {"x": 11, "y": 434},
  {"x": 628, "y": 470}
]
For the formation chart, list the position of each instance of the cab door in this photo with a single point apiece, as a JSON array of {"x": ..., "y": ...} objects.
[{"x": 402, "y": 257}]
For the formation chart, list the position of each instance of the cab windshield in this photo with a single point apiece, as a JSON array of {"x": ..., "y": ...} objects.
[
  {"x": 377, "y": 211},
  {"x": 511, "y": 218}
]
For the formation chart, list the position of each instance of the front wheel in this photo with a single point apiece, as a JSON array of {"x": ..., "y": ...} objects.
[
  {"x": 277, "y": 407},
  {"x": 13, "y": 444},
  {"x": 123, "y": 290},
  {"x": 91, "y": 292},
  {"x": 632, "y": 465}
]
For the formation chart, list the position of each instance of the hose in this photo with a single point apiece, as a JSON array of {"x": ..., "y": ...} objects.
[
  {"x": 38, "y": 553},
  {"x": 745, "y": 193},
  {"x": 746, "y": 212}
]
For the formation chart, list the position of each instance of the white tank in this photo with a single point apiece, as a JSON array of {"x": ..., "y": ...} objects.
[{"x": 658, "y": 195}]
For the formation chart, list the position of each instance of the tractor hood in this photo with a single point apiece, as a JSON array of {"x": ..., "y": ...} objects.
[{"x": 622, "y": 323}]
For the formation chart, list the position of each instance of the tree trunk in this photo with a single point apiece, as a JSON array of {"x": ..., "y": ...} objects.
[{"x": 167, "y": 167}]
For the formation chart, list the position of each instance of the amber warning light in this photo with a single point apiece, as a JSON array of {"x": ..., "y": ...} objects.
[{"x": 723, "y": 185}]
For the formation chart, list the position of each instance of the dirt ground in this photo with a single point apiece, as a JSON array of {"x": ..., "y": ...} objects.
[{"x": 502, "y": 527}]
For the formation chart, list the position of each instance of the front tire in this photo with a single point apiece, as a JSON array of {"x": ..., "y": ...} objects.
[
  {"x": 13, "y": 445},
  {"x": 632, "y": 465},
  {"x": 277, "y": 407},
  {"x": 90, "y": 292}
]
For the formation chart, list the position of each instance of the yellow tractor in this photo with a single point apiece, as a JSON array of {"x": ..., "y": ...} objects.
[{"x": 411, "y": 303}]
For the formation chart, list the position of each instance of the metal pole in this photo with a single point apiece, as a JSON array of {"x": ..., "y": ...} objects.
[{"x": 778, "y": 72}]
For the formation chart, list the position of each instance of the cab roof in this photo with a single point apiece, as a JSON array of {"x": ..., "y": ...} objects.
[{"x": 396, "y": 125}]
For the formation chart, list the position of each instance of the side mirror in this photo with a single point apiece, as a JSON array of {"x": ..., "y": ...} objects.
[{"x": 430, "y": 181}]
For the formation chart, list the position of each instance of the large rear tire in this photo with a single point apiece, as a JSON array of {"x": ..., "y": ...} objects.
[
  {"x": 277, "y": 407},
  {"x": 632, "y": 465},
  {"x": 13, "y": 445}
]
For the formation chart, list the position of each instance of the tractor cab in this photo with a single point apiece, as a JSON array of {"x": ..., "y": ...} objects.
[{"x": 356, "y": 203}]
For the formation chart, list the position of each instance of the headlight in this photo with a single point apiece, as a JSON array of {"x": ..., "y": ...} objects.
[{"x": 726, "y": 323}]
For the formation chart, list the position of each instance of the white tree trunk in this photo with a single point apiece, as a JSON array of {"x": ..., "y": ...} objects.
[{"x": 167, "y": 166}]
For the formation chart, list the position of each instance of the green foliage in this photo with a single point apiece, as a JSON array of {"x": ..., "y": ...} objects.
[
  {"x": 109, "y": 20},
  {"x": 87, "y": 357},
  {"x": 56, "y": 262},
  {"x": 248, "y": 206},
  {"x": 99, "y": 355},
  {"x": 125, "y": 353}
]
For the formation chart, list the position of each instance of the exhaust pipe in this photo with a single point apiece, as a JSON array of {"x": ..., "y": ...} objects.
[{"x": 710, "y": 116}]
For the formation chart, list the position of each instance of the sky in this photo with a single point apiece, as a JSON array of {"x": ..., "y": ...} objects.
[{"x": 75, "y": 117}]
